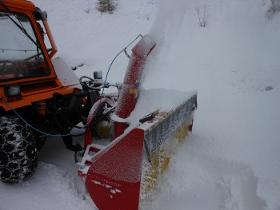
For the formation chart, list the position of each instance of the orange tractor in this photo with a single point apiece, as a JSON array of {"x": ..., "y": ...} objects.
[{"x": 127, "y": 140}]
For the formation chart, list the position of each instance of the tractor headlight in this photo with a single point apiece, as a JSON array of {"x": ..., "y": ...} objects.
[{"x": 11, "y": 91}]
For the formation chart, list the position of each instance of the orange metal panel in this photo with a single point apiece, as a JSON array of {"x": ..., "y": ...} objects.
[
  {"x": 20, "y": 4},
  {"x": 39, "y": 96}
]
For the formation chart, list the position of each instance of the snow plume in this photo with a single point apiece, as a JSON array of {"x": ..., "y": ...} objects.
[
  {"x": 169, "y": 19},
  {"x": 238, "y": 40}
]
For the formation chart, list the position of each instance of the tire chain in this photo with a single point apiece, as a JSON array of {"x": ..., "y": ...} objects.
[{"x": 18, "y": 152}]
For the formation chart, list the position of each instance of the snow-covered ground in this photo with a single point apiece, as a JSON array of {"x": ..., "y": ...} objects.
[{"x": 231, "y": 160}]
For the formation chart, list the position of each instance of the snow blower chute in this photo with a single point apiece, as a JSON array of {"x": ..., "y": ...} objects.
[{"x": 118, "y": 174}]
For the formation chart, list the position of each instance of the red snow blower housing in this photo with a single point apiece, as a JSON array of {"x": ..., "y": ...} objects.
[{"x": 118, "y": 173}]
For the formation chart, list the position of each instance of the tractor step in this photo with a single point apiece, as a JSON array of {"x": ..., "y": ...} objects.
[{"x": 86, "y": 161}]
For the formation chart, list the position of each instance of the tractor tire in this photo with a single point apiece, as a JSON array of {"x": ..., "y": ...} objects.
[{"x": 18, "y": 151}]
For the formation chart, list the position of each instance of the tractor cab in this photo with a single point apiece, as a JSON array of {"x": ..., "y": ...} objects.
[
  {"x": 21, "y": 54},
  {"x": 29, "y": 71},
  {"x": 40, "y": 95}
]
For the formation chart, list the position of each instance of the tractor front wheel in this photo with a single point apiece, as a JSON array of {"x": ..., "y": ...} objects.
[{"x": 18, "y": 151}]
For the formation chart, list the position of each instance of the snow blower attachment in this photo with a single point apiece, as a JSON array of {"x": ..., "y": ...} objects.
[{"x": 119, "y": 174}]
